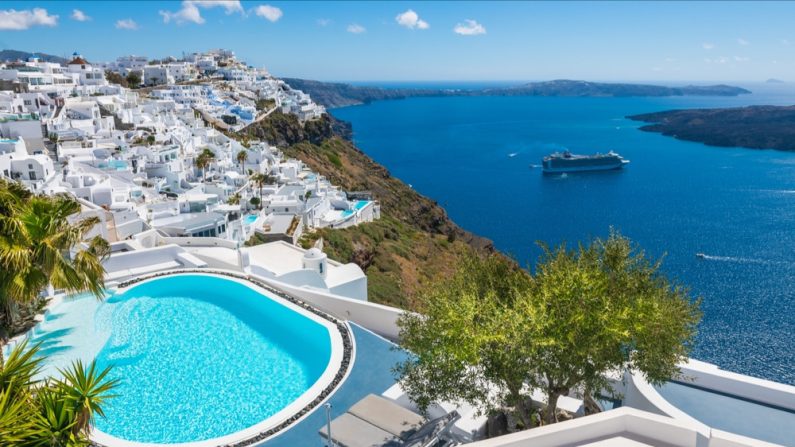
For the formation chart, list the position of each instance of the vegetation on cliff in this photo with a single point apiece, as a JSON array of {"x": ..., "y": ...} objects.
[
  {"x": 755, "y": 127},
  {"x": 413, "y": 242}
]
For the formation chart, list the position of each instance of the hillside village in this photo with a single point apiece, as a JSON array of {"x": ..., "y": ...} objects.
[{"x": 163, "y": 156}]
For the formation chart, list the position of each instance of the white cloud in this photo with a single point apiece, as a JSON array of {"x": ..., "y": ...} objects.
[
  {"x": 742, "y": 58},
  {"x": 411, "y": 20},
  {"x": 269, "y": 12},
  {"x": 80, "y": 16},
  {"x": 230, "y": 6},
  {"x": 707, "y": 45},
  {"x": 785, "y": 42},
  {"x": 188, "y": 13},
  {"x": 126, "y": 24},
  {"x": 190, "y": 10},
  {"x": 469, "y": 28},
  {"x": 670, "y": 59},
  {"x": 324, "y": 22},
  {"x": 11, "y": 19},
  {"x": 743, "y": 42},
  {"x": 356, "y": 28}
]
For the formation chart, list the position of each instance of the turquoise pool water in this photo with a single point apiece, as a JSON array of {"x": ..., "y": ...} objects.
[
  {"x": 361, "y": 204},
  {"x": 732, "y": 414},
  {"x": 346, "y": 213},
  {"x": 199, "y": 356},
  {"x": 250, "y": 219}
]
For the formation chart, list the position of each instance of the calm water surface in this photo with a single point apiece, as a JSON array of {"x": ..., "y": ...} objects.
[{"x": 475, "y": 156}]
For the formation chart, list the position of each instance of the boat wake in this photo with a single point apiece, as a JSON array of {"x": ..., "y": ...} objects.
[
  {"x": 735, "y": 259},
  {"x": 513, "y": 154},
  {"x": 778, "y": 191}
]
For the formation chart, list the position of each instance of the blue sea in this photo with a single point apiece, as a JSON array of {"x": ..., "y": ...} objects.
[{"x": 477, "y": 157}]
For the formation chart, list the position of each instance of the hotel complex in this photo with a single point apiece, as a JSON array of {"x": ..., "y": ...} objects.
[{"x": 160, "y": 166}]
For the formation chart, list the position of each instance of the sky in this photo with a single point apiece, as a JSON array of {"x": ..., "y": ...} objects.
[{"x": 423, "y": 41}]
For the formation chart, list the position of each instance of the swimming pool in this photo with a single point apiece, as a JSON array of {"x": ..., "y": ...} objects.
[
  {"x": 203, "y": 359},
  {"x": 731, "y": 413},
  {"x": 250, "y": 219},
  {"x": 361, "y": 204}
]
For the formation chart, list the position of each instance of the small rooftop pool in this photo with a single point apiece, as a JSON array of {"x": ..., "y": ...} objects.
[
  {"x": 203, "y": 359},
  {"x": 250, "y": 219},
  {"x": 732, "y": 414}
]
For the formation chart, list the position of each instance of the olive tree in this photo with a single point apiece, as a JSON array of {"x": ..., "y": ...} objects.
[
  {"x": 493, "y": 332},
  {"x": 466, "y": 341}
]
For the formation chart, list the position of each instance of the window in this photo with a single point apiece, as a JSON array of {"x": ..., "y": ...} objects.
[
  {"x": 321, "y": 267},
  {"x": 30, "y": 165},
  {"x": 32, "y": 175}
]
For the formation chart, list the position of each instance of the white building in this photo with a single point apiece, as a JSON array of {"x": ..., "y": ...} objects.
[{"x": 17, "y": 164}]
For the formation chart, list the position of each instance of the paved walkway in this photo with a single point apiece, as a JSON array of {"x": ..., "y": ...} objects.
[{"x": 372, "y": 373}]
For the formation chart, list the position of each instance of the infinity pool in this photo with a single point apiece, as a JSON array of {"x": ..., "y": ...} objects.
[{"x": 199, "y": 356}]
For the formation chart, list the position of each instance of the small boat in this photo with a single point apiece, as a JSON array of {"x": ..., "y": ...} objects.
[{"x": 701, "y": 256}]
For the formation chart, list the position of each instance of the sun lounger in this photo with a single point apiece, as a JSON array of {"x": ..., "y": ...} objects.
[{"x": 378, "y": 422}]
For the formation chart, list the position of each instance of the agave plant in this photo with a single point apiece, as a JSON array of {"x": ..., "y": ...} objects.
[
  {"x": 50, "y": 413},
  {"x": 87, "y": 389},
  {"x": 17, "y": 420},
  {"x": 54, "y": 422},
  {"x": 18, "y": 372}
]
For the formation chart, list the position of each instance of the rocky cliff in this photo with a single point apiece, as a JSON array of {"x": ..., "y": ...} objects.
[
  {"x": 755, "y": 127},
  {"x": 414, "y": 241}
]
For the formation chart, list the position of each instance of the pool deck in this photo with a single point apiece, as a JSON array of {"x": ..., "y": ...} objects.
[{"x": 371, "y": 373}]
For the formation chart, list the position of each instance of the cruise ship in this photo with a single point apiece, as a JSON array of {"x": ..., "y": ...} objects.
[{"x": 568, "y": 162}]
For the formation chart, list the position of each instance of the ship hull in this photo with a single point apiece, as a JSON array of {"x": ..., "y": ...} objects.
[{"x": 587, "y": 168}]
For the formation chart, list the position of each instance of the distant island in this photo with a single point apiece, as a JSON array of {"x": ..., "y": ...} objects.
[
  {"x": 16, "y": 55},
  {"x": 774, "y": 81},
  {"x": 754, "y": 127},
  {"x": 336, "y": 94}
]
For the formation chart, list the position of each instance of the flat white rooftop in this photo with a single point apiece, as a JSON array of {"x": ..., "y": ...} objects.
[{"x": 281, "y": 257}]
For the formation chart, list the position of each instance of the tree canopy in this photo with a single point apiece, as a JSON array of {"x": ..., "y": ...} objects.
[{"x": 493, "y": 332}]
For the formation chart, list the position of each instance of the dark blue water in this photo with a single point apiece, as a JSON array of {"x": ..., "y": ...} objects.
[{"x": 676, "y": 198}]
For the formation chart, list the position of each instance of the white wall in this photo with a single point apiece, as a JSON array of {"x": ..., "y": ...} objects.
[{"x": 376, "y": 317}]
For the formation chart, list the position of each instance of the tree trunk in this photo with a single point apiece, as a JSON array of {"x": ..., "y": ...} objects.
[
  {"x": 520, "y": 409},
  {"x": 590, "y": 405},
  {"x": 550, "y": 413}
]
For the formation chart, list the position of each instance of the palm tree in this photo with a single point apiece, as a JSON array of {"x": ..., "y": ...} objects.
[
  {"x": 49, "y": 413},
  {"x": 204, "y": 159},
  {"x": 260, "y": 179},
  {"x": 40, "y": 248},
  {"x": 241, "y": 157},
  {"x": 86, "y": 389},
  {"x": 234, "y": 199}
]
